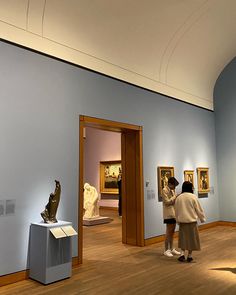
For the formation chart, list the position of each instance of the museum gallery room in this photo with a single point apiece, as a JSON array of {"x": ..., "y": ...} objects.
[{"x": 118, "y": 140}]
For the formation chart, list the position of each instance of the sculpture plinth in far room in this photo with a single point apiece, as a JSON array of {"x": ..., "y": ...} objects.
[{"x": 91, "y": 207}]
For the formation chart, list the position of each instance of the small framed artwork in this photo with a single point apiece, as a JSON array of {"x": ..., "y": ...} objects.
[
  {"x": 109, "y": 172},
  {"x": 164, "y": 173},
  {"x": 203, "y": 180},
  {"x": 189, "y": 176}
]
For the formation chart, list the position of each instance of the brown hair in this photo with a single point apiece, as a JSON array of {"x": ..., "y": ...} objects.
[{"x": 173, "y": 181}]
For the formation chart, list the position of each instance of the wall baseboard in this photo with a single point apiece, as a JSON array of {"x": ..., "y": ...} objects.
[
  {"x": 227, "y": 223},
  {"x": 75, "y": 261},
  {"x": 208, "y": 225},
  {"x": 14, "y": 277},
  {"x": 24, "y": 275},
  {"x": 109, "y": 208},
  {"x": 201, "y": 227}
]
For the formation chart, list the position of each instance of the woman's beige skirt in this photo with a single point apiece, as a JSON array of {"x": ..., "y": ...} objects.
[{"x": 189, "y": 236}]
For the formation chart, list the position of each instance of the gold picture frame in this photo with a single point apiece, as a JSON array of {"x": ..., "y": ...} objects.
[
  {"x": 203, "y": 180},
  {"x": 189, "y": 176},
  {"x": 164, "y": 173},
  {"x": 109, "y": 171}
]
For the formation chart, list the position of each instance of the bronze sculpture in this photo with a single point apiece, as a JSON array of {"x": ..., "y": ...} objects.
[{"x": 49, "y": 214}]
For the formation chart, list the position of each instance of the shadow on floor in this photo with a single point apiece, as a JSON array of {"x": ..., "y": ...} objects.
[{"x": 231, "y": 269}]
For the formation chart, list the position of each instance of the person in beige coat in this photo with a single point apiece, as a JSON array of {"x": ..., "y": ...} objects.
[
  {"x": 188, "y": 210},
  {"x": 168, "y": 198}
]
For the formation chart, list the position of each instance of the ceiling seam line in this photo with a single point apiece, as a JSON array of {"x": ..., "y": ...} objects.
[{"x": 177, "y": 42}]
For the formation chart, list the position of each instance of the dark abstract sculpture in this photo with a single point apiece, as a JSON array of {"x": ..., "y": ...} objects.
[{"x": 49, "y": 214}]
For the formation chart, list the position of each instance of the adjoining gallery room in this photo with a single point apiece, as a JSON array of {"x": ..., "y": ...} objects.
[
  {"x": 102, "y": 226},
  {"x": 117, "y": 125}
]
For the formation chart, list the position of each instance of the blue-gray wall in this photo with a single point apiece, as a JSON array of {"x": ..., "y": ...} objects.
[
  {"x": 40, "y": 103},
  {"x": 225, "y": 118}
]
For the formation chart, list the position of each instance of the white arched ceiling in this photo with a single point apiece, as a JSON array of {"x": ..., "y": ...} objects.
[{"x": 175, "y": 47}]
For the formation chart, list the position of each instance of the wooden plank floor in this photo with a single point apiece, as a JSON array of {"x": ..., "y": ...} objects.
[{"x": 113, "y": 268}]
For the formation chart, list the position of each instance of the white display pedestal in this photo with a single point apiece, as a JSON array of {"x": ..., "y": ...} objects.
[
  {"x": 96, "y": 220},
  {"x": 50, "y": 257}
]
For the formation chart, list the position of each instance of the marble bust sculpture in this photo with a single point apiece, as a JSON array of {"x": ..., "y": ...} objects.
[{"x": 91, "y": 206}]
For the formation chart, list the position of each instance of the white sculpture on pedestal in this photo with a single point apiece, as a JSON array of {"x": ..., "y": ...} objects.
[{"x": 91, "y": 199}]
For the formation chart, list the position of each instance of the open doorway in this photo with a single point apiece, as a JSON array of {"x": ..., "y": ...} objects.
[{"x": 132, "y": 179}]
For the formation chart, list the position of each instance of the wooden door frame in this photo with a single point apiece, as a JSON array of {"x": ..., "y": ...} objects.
[{"x": 86, "y": 121}]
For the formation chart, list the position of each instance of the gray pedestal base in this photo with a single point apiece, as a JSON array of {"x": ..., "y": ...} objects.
[{"x": 50, "y": 258}]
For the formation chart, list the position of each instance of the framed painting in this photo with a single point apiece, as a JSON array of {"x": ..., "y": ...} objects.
[
  {"x": 189, "y": 176},
  {"x": 164, "y": 173},
  {"x": 109, "y": 172},
  {"x": 203, "y": 180}
]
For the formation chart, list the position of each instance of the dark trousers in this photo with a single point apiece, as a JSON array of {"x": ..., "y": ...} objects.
[{"x": 120, "y": 198}]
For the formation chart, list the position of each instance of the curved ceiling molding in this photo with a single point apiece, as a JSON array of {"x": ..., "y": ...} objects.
[
  {"x": 204, "y": 49},
  {"x": 178, "y": 34},
  {"x": 174, "y": 47}
]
